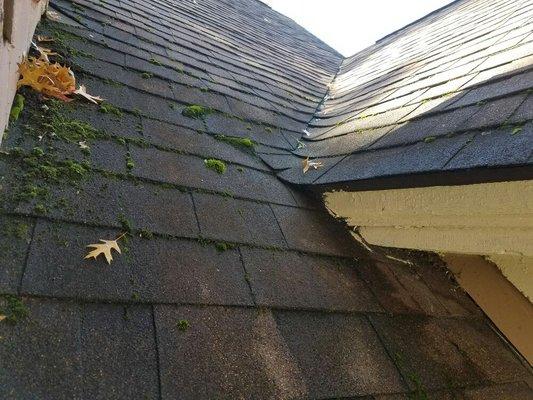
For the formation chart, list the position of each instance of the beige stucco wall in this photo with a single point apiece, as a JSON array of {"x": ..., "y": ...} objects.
[
  {"x": 511, "y": 312},
  {"x": 26, "y": 14}
]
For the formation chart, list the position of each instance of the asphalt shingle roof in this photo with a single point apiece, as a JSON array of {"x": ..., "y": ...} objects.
[
  {"x": 434, "y": 95},
  {"x": 232, "y": 285}
]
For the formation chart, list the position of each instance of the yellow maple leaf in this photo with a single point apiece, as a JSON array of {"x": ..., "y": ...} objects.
[
  {"x": 52, "y": 80},
  {"x": 104, "y": 248},
  {"x": 82, "y": 91}
]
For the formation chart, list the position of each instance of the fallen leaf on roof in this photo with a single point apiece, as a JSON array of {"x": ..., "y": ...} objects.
[
  {"x": 82, "y": 91},
  {"x": 42, "y": 38},
  {"x": 307, "y": 164},
  {"x": 104, "y": 248},
  {"x": 53, "y": 80},
  {"x": 44, "y": 52},
  {"x": 2, "y": 317},
  {"x": 52, "y": 15}
]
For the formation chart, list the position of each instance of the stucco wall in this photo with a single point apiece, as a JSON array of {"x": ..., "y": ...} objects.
[{"x": 19, "y": 18}]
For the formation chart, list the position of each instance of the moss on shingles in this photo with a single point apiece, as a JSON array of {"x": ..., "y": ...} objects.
[
  {"x": 37, "y": 170},
  {"x": 12, "y": 308},
  {"x": 108, "y": 108},
  {"x": 224, "y": 246},
  {"x": 125, "y": 223},
  {"x": 70, "y": 130},
  {"x": 195, "y": 111},
  {"x": 16, "y": 109},
  {"x": 146, "y": 234},
  {"x": 215, "y": 165},
  {"x": 18, "y": 230},
  {"x": 236, "y": 141},
  {"x": 183, "y": 325},
  {"x": 130, "y": 164},
  {"x": 155, "y": 62}
]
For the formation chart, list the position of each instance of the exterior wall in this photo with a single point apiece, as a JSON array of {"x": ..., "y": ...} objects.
[
  {"x": 507, "y": 308},
  {"x": 486, "y": 230},
  {"x": 18, "y": 21}
]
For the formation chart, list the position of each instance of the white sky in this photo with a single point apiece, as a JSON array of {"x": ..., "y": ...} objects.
[{"x": 351, "y": 25}]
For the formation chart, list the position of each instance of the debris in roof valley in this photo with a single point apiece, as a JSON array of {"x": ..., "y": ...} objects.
[{"x": 229, "y": 278}]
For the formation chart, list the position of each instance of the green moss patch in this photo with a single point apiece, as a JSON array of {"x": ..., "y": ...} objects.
[
  {"x": 224, "y": 246},
  {"x": 246, "y": 143},
  {"x": 108, "y": 108},
  {"x": 130, "y": 164},
  {"x": 155, "y": 62},
  {"x": 216, "y": 165},
  {"x": 16, "y": 109},
  {"x": 67, "y": 129},
  {"x": 19, "y": 230},
  {"x": 195, "y": 111},
  {"x": 13, "y": 308},
  {"x": 183, "y": 325}
]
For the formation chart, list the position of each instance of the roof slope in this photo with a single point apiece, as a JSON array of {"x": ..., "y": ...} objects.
[
  {"x": 444, "y": 100},
  {"x": 230, "y": 285}
]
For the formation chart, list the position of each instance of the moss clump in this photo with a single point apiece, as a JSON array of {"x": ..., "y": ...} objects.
[
  {"x": 17, "y": 230},
  {"x": 183, "y": 325},
  {"x": 216, "y": 165},
  {"x": 108, "y": 108},
  {"x": 70, "y": 130},
  {"x": 420, "y": 392},
  {"x": 147, "y": 75},
  {"x": 236, "y": 141},
  {"x": 41, "y": 165},
  {"x": 18, "y": 106},
  {"x": 195, "y": 111},
  {"x": 130, "y": 164},
  {"x": 268, "y": 129},
  {"x": 125, "y": 223},
  {"x": 146, "y": 234},
  {"x": 224, "y": 246},
  {"x": 155, "y": 62},
  {"x": 13, "y": 308},
  {"x": 430, "y": 139}
]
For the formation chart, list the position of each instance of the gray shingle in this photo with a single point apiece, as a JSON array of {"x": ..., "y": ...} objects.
[
  {"x": 290, "y": 280},
  {"x": 339, "y": 355},
  {"x": 15, "y": 237},
  {"x": 237, "y": 353},
  {"x": 496, "y": 148},
  {"x": 64, "y": 350},
  {"x": 224, "y": 218}
]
